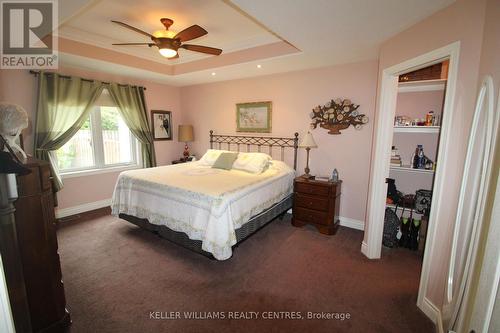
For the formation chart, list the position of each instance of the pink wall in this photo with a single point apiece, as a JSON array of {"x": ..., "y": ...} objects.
[
  {"x": 490, "y": 60},
  {"x": 294, "y": 94},
  {"x": 462, "y": 21},
  {"x": 19, "y": 86},
  {"x": 417, "y": 104}
]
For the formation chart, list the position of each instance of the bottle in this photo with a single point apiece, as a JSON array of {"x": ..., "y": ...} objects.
[
  {"x": 335, "y": 175},
  {"x": 421, "y": 158},
  {"x": 415, "y": 157},
  {"x": 437, "y": 120},
  {"x": 429, "y": 118}
]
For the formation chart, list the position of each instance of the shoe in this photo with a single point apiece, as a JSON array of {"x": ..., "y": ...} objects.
[
  {"x": 405, "y": 232},
  {"x": 414, "y": 229}
]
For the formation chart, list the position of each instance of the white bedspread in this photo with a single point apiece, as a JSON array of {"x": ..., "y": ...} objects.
[{"x": 207, "y": 204}]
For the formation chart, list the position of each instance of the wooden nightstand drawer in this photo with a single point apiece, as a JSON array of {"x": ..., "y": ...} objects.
[
  {"x": 311, "y": 202},
  {"x": 312, "y": 189},
  {"x": 309, "y": 215}
]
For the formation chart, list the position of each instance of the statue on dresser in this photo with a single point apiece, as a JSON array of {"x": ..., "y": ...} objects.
[{"x": 13, "y": 120}]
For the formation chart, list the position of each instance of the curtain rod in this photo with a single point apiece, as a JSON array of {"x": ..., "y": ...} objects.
[{"x": 83, "y": 79}]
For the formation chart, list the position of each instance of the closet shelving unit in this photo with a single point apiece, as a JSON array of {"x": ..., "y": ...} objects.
[
  {"x": 416, "y": 86},
  {"x": 423, "y": 85},
  {"x": 416, "y": 129},
  {"x": 410, "y": 169},
  {"x": 399, "y": 208},
  {"x": 419, "y": 91}
]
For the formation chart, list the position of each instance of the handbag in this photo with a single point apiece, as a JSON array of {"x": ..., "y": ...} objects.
[
  {"x": 391, "y": 227},
  {"x": 423, "y": 200}
]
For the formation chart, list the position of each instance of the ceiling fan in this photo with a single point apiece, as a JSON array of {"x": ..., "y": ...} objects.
[{"x": 169, "y": 42}]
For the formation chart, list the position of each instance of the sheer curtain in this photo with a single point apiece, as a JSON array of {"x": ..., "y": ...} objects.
[
  {"x": 132, "y": 106},
  {"x": 63, "y": 106}
]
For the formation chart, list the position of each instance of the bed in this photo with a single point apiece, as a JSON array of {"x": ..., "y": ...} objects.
[{"x": 204, "y": 209}]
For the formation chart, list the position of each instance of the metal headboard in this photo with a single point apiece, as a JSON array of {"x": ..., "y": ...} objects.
[{"x": 259, "y": 141}]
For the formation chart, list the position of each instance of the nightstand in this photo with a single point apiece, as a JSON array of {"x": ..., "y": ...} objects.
[
  {"x": 180, "y": 161},
  {"x": 316, "y": 202}
]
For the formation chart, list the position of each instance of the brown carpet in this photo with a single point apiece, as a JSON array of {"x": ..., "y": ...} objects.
[{"x": 115, "y": 274}]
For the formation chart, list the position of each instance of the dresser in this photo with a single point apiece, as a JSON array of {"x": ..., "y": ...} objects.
[
  {"x": 316, "y": 202},
  {"x": 37, "y": 243}
]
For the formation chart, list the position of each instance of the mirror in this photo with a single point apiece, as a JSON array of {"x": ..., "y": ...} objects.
[{"x": 471, "y": 202}]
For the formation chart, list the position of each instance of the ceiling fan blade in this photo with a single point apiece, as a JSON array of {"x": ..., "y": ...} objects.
[
  {"x": 202, "y": 49},
  {"x": 125, "y": 25},
  {"x": 148, "y": 44},
  {"x": 192, "y": 32}
]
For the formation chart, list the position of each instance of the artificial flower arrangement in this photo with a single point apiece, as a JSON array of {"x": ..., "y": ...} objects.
[{"x": 337, "y": 115}]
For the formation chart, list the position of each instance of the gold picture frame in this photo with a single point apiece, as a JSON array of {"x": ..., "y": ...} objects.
[{"x": 254, "y": 117}]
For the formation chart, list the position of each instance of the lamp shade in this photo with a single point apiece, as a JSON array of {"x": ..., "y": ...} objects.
[
  {"x": 308, "y": 141},
  {"x": 185, "y": 133}
]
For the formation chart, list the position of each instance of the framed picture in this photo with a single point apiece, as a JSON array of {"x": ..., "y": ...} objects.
[
  {"x": 161, "y": 121},
  {"x": 254, "y": 117}
]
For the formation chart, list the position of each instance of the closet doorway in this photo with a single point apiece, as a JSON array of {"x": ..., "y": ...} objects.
[
  {"x": 415, "y": 142},
  {"x": 381, "y": 157}
]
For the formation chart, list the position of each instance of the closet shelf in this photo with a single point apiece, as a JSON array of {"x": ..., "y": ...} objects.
[
  {"x": 412, "y": 170},
  {"x": 416, "y": 129},
  {"x": 392, "y": 206},
  {"x": 423, "y": 85}
]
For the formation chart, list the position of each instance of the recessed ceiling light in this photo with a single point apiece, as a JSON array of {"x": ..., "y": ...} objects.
[
  {"x": 213, "y": 73},
  {"x": 259, "y": 66}
]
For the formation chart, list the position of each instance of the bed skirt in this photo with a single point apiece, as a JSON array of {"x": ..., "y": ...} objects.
[{"x": 180, "y": 238}]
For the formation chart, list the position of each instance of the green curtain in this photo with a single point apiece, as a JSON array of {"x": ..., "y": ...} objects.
[
  {"x": 131, "y": 103},
  {"x": 63, "y": 106}
]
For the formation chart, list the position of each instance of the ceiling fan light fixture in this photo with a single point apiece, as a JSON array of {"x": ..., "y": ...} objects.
[
  {"x": 167, "y": 52},
  {"x": 164, "y": 34},
  {"x": 168, "y": 42}
]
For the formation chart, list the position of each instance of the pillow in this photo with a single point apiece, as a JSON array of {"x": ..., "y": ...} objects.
[
  {"x": 252, "y": 162},
  {"x": 225, "y": 161},
  {"x": 210, "y": 156}
]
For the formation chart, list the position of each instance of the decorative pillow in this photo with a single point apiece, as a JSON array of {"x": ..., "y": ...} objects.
[
  {"x": 252, "y": 162},
  {"x": 225, "y": 161},
  {"x": 211, "y": 156}
]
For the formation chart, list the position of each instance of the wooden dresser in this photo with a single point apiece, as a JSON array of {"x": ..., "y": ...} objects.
[
  {"x": 37, "y": 242},
  {"x": 316, "y": 202}
]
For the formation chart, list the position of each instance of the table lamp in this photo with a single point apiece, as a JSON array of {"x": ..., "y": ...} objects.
[
  {"x": 308, "y": 143},
  {"x": 185, "y": 134}
]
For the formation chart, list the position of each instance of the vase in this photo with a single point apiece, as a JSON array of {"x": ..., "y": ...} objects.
[{"x": 334, "y": 128}]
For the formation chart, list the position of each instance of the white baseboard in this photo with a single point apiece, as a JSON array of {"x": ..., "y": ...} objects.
[
  {"x": 346, "y": 222},
  {"x": 352, "y": 223},
  {"x": 64, "y": 212},
  {"x": 433, "y": 313}
]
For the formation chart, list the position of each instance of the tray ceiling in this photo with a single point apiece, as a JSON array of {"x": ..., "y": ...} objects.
[{"x": 277, "y": 35}]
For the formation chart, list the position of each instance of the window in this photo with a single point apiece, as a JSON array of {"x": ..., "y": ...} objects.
[{"x": 104, "y": 141}]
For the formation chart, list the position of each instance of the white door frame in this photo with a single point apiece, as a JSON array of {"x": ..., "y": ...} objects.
[{"x": 381, "y": 158}]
